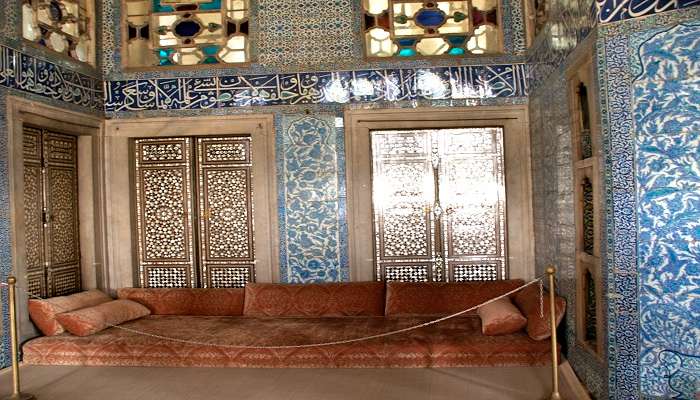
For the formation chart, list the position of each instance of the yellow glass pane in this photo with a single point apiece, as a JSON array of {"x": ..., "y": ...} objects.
[
  {"x": 408, "y": 29},
  {"x": 234, "y": 57},
  {"x": 139, "y": 53},
  {"x": 379, "y": 43},
  {"x": 237, "y": 43},
  {"x": 432, "y": 46},
  {"x": 485, "y": 5},
  {"x": 407, "y": 9},
  {"x": 237, "y": 15},
  {"x": 187, "y": 57},
  {"x": 375, "y": 6},
  {"x": 71, "y": 28},
  {"x": 166, "y": 20},
  {"x": 236, "y": 5},
  {"x": 451, "y": 26},
  {"x": 71, "y": 8},
  {"x": 167, "y": 40},
  {"x": 485, "y": 40},
  {"x": 29, "y": 29},
  {"x": 137, "y": 7},
  {"x": 43, "y": 16},
  {"x": 450, "y": 7}
]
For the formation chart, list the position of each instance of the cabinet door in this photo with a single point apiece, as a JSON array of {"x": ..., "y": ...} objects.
[
  {"x": 226, "y": 249},
  {"x": 163, "y": 179},
  {"x": 403, "y": 197},
  {"x": 472, "y": 194},
  {"x": 34, "y": 213},
  {"x": 61, "y": 203}
]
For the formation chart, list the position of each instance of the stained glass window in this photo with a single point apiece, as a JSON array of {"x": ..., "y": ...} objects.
[
  {"x": 65, "y": 26},
  {"x": 177, "y": 32},
  {"x": 411, "y": 28}
]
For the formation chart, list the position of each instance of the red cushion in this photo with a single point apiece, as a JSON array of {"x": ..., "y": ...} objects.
[
  {"x": 184, "y": 301},
  {"x": 528, "y": 301},
  {"x": 314, "y": 300},
  {"x": 90, "y": 320},
  {"x": 43, "y": 312},
  {"x": 441, "y": 298},
  {"x": 501, "y": 317}
]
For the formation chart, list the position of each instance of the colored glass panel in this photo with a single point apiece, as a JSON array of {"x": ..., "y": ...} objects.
[
  {"x": 433, "y": 27},
  {"x": 64, "y": 26},
  {"x": 192, "y": 31}
]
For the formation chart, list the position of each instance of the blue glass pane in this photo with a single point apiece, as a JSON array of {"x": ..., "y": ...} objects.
[
  {"x": 159, "y": 8},
  {"x": 430, "y": 17},
  {"x": 407, "y": 53},
  {"x": 456, "y": 51},
  {"x": 187, "y": 28},
  {"x": 407, "y": 42}
]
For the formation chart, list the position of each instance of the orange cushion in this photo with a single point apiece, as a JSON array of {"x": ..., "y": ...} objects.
[
  {"x": 90, "y": 320},
  {"x": 43, "y": 312},
  {"x": 314, "y": 300},
  {"x": 184, "y": 301},
  {"x": 528, "y": 301},
  {"x": 501, "y": 317},
  {"x": 404, "y": 299}
]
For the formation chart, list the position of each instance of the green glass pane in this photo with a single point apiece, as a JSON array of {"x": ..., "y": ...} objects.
[
  {"x": 456, "y": 51},
  {"x": 210, "y": 50},
  {"x": 407, "y": 53},
  {"x": 213, "y": 5},
  {"x": 210, "y": 60},
  {"x": 157, "y": 7}
]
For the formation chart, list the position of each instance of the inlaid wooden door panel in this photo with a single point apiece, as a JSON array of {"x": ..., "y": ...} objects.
[
  {"x": 439, "y": 204},
  {"x": 165, "y": 249},
  {"x": 51, "y": 212},
  {"x": 227, "y": 254}
]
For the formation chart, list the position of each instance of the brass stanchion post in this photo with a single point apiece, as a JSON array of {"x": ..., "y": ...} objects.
[
  {"x": 551, "y": 271},
  {"x": 16, "y": 394}
]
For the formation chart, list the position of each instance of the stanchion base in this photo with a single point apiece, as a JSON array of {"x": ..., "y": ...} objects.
[{"x": 21, "y": 396}]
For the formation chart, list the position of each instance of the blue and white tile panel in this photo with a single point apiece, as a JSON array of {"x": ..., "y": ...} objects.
[
  {"x": 666, "y": 111},
  {"x": 385, "y": 85},
  {"x": 311, "y": 199},
  {"x": 29, "y": 74}
]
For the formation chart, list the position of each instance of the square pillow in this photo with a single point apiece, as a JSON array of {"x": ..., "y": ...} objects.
[
  {"x": 500, "y": 317},
  {"x": 88, "y": 321},
  {"x": 528, "y": 301},
  {"x": 43, "y": 312}
]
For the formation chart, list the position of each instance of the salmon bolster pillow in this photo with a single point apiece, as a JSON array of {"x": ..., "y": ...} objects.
[
  {"x": 501, "y": 317},
  {"x": 90, "y": 320},
  {"x": 43, "y": 312}
]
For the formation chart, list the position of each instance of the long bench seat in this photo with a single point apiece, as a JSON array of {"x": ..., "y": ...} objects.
[{"x": 284, "y": 315}]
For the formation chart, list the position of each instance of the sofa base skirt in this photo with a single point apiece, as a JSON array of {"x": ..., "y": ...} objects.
[{"x": 220, "y": 341}]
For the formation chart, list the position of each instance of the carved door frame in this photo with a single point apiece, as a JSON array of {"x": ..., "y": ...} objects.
[
  {"x": 120, "y": 257},
  {"x": 513, "y": 119},
  {"x": 88, "y": 129}
]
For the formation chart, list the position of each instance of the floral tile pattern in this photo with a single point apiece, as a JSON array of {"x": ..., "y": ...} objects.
[
  {"x": 311, "y": 185},
  {"x": 667, "y": 123}
]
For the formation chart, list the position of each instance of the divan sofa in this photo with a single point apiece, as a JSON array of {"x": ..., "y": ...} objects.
[{"x": 208, "y": 325}]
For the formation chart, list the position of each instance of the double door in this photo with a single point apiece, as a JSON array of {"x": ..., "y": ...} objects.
[
  {"x": 194, "y": 211},
  {"x": 439, "y": 204},
  {"x": 51, "y": 233}
]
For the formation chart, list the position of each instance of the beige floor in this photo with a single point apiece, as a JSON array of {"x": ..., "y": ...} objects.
[{"x": 108, "y": 383}]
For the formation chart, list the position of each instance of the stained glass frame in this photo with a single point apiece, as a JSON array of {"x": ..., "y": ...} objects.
[
  {"x": 171, "y": 34},
  {"x": 65, "y": 27},
  {"x": 402, "y": 29}
]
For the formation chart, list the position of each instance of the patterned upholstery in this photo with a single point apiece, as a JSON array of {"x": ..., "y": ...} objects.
[
  {"x": 183, "y": 301},
  {"x": 528, "y": 301},
  {"x": 43, "y": 312},
  {"x": 439, "y": 298},
  {"x": 90, "y": 320},
  {"x": 314, "y": 300},
  {"x": 454, "y": 343}
]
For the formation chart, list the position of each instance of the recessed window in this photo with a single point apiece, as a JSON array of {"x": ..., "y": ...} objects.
[
  {"x": 64, "y": 26},
  {"x": 174, "y": 32},
  {"x": 410, "y": 28}
]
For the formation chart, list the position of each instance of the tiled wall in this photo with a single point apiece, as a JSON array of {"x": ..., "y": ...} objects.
[
  {"x": 312, "y": 197},
  {"x": 645, "y": 217},
  {"x": 666, "y": 112}
]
